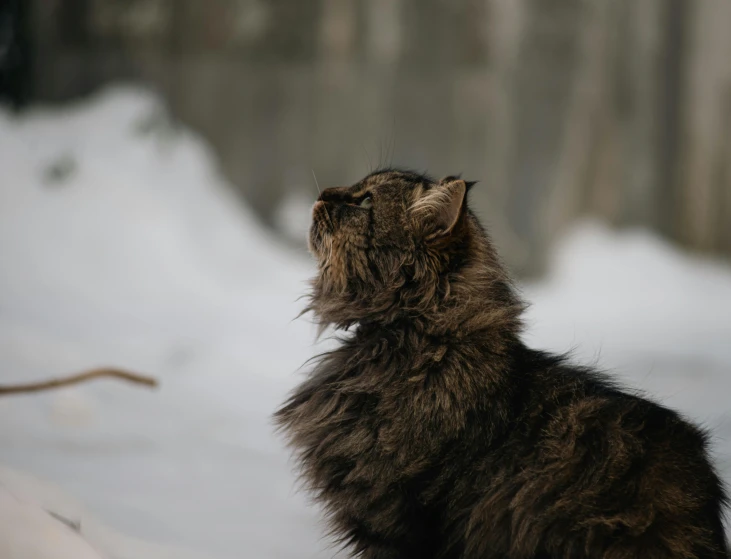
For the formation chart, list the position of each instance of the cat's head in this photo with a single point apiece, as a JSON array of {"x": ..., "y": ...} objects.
[{"x": 398, "y": 245}]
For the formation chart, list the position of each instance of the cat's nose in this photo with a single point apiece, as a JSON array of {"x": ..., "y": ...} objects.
[{"x": 335, "y": 194}]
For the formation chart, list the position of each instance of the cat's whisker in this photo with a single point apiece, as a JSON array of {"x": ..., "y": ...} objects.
[{"x": 317, "y": 184}]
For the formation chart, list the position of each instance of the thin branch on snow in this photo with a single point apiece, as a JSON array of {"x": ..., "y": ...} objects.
[
  {"x": 78, "y": 378},
  {"x": 75, "y": 525}
]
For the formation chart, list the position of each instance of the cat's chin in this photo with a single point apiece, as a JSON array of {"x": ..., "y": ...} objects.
[
  {"x": 312, "y": 241},
  {"x": 319, "y": 229},
  {"x": 315, "y": 241}
]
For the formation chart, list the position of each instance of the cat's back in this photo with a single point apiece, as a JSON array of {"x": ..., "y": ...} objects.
[
  {"x": 592, "y": 413},
  {"x": 603, "y": 468}
]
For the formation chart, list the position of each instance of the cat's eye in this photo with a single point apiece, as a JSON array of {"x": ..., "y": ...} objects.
[{"x": 366, "y": 203}]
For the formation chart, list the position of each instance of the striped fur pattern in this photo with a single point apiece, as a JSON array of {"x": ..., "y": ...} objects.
[{"x": 433, "y": 432}]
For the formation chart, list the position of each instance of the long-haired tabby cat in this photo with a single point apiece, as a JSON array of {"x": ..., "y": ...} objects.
[{"x": 432, "y": 431}]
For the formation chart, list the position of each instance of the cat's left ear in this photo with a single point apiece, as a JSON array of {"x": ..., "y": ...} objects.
[{"x": 438, "y": 209}]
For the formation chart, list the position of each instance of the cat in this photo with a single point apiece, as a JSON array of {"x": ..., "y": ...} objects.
[{"x": 433, "y": 432}]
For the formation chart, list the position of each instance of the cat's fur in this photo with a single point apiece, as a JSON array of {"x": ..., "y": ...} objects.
[{"x": 433, "y": 432}]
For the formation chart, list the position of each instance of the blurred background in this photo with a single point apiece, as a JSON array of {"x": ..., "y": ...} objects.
[
  {"x": 617, "y": 108},
  {"x": 158, "y": 161}
]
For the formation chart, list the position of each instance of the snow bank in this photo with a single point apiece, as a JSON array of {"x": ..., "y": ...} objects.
[
  {"x": 39, "y": 521},
  {"x": 29, "y": 532},
  {"x": 120, "y": 245}
]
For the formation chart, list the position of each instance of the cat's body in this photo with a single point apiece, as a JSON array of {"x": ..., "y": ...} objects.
[{"x": 432, "y": 432}]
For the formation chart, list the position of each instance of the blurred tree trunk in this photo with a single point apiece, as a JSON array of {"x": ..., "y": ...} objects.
[
  {"x": 580, "y": 145},
  {"x": 545, "y": 71},
  {"x": 16, "y": 52},
  {"x": 704, "y": 184}
]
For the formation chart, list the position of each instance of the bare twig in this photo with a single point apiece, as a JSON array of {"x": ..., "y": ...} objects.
[
  {"x": 75, "y": 379},
  {"x": 75, "y": 525}
]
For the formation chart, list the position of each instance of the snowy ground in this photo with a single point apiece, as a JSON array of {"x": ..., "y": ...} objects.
[{"x": 120, "y": 245}]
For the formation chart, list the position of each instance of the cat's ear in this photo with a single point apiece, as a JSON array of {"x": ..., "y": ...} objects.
[{"x": 438, "y": 209}]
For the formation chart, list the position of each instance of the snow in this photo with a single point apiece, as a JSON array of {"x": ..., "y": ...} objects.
[
  {"x": 32, "y": 533},
  {"x": 39, "y": 521},
  {"x": 121, "y": 245}
]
